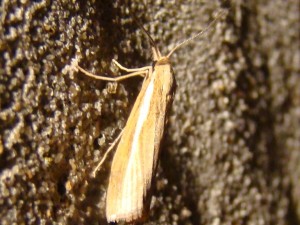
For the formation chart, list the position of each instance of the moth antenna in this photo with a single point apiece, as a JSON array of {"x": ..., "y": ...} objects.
[
  {"x": 156, "y": 51},
  {"x": 202, "y": 32}
]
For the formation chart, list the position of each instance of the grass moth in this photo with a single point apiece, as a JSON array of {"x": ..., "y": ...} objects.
[{"x": 136, "y": 158}]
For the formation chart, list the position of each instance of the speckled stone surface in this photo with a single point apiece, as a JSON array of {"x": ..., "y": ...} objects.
[{"x": 232, "y": 147}]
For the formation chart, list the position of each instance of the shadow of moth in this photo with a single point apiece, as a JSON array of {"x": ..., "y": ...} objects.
[{"x": 135, "y": 161}]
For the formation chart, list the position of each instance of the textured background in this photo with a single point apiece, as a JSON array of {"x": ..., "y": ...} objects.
[{"x": 232, "y": 148}]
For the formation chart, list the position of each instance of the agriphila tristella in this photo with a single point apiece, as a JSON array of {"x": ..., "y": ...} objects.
[{"x": 135, "y": 161}]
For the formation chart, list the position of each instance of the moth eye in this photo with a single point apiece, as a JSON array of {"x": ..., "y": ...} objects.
[{"x": 153, "y": 64}]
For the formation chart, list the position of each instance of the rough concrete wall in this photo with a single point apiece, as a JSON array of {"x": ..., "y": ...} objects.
[{"x": 232, "y": 148}]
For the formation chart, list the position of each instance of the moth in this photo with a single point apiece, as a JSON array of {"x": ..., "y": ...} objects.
[{"x": 136, "y": 158}]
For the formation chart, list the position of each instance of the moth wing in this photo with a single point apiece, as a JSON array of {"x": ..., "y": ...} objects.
[{"x": 135, "y": 159}]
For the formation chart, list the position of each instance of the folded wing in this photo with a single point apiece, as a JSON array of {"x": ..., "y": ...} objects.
[{"x": 136, "y": 156}]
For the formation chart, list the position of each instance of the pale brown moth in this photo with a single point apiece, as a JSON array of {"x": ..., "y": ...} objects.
[{"x": 135, "y": 161}]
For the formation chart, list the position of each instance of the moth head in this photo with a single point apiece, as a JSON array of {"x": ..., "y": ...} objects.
[{"x": 162, "y": 61}]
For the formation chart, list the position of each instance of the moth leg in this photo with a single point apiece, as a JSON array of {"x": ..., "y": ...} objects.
[
  {"x": 130, "y": 70},
  {"x": 114, "y": 79},
  {"x": 107, "y": 152}
]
